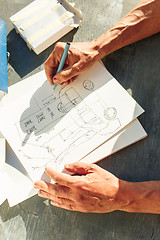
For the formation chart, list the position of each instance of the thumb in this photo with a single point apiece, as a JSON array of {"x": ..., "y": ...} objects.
[{"x": 80, "y": 168}]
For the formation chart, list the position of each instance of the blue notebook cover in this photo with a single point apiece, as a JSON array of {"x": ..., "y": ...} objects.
[{"x": 3, "y": 58}]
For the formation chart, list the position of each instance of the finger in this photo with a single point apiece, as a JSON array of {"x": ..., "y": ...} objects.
[
  {"x": 53, "y": 189},
  {"x": 64, "y": 203},
  {"x": 51, "y": 64},
  {"x": 55, "y": 79},
  {"x": 70, "y": 81},
  {"x": 54, "y": 199},
  {"x": 47, "y": 195},
  {"x": 60, "y": 178},
  {"x": 39, "y": 184},
  {"x": 70, "y": 206},
  {"x": 50, "y": 72},
  {"x": 66, "y": 74},
  {"x": 50, "y": 67},
  {"x": 80, "y": 167}
]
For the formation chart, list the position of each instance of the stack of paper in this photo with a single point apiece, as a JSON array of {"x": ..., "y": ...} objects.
[
  {"x": 43, "y": 22},
  {"x": 87, "y": 120}
]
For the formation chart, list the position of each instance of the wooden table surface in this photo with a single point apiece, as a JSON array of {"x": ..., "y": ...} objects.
[{"x": 137, "y": 67}]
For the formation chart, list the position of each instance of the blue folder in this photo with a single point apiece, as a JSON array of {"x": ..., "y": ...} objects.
[{"x": 3, "y": 58}]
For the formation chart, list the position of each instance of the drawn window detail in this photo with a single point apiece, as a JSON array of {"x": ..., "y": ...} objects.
[
  {"x": 50, "y": 112},
  {"x": 26, "y": 124},
  {"x": 40, "y": 117},
  {"x": 30, "y": 130},
  {"x": 68, "y": 99},
  {"x": 61, "y": 108},
  {"x": 89, "y": 85}
]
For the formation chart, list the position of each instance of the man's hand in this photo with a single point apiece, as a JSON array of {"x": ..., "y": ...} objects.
[
  {"x": 80, "y": 57},
  {"x": 96, "y": 190}
]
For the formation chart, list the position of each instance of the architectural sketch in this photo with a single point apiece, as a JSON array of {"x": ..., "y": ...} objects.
[
  {"x": 41, "y": 131},
  {"x": 64, "y": 126}
]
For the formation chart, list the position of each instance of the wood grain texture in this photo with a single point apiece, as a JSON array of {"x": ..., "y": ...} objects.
[{"x": 135, "y": 66}]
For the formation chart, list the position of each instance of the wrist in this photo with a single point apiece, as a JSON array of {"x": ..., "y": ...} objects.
[
  {"x": 124, "y": 195},
  {"x": 106, "y": 43},
  {"x": 95, "y": 50},
  {"x": 131, "y": 195},
  {"x": 97, "y": 47},
  {"x": 117, "y": 194}
]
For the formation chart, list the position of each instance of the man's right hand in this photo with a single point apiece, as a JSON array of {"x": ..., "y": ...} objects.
[{"x": 80, "y": 57}]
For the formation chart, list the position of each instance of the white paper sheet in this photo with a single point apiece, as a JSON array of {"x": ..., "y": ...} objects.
[
  {"x": 2, "y": 151},
  {"x": 6, "y": 186},
  {"x": 22, "y": 187},
  {"x": 127, "y": 136},
  {"x": 65, "y": 125}
]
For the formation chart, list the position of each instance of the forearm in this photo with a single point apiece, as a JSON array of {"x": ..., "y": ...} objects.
[
  {"x": 141, "y": 197},
  {"x": 143, "y": 21}
]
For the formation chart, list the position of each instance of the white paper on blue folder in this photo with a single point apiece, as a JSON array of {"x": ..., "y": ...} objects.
[{"x": 64, "y": 126}]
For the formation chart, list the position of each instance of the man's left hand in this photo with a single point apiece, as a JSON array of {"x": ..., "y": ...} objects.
[{"x": 96, "y": 190}]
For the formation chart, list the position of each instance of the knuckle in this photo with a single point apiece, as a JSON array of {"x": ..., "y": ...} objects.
[
  {"x": 59, "y": 46},
  {"x": 80, "y": 186},
  {"x": 62, "y": 76},
  {"x": 74, "y": 68},
  {"x": 56, "y": 179},
  {"x": 62, "y": 189},
  {"x": 81, "y": 198},
  {"x": 77, "y": 68},
  {"x": 93, "y": 167},
  {"x": 70, "y": 207}
]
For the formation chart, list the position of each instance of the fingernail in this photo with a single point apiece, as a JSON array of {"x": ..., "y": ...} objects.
[
  {"x": 55, "y": 80},
  {"x": 35, "y": 185},
  {"x": 40, "y": 193}
]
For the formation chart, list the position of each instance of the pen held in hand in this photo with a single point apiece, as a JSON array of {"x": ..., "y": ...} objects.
[{"x": 62, "y": 61}]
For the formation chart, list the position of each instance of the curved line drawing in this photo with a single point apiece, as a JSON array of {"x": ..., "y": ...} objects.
[
  {"x": 88, "y": 85},
  {"x": 61, "y": 107},
  {"x": 110, "y": 113}
]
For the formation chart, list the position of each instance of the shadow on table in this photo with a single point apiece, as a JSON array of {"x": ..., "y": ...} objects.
[{"x": 22, "y": 59}]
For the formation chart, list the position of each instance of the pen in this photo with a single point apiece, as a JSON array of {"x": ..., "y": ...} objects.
[{"x": 62, "y": 61}]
